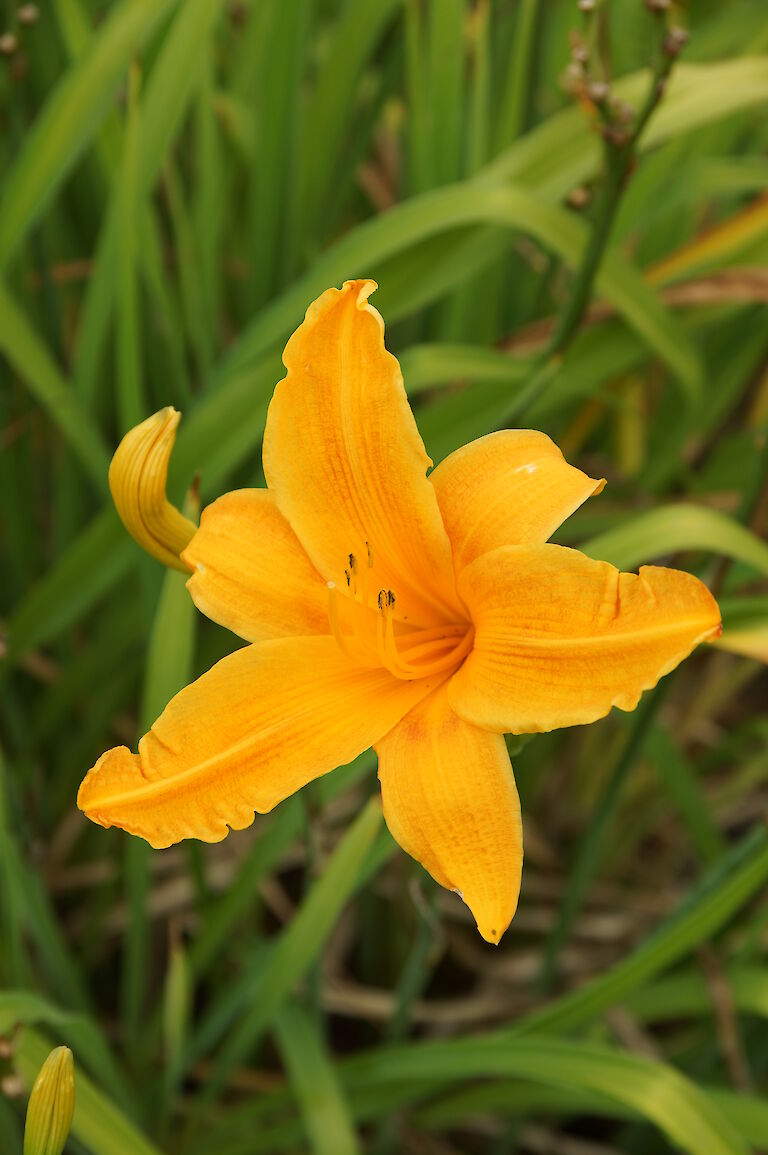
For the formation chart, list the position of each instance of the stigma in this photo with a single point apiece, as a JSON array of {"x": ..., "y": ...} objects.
[{"x": 367, "y": 628}]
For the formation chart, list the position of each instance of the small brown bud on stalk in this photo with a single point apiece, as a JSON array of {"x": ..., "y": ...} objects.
[
  {"x": 28, "y": 14},
  {"x": 617, "y": 135},
  {"x": 572, "y": 80},
  {"x": 598, "y": 91},
  {"x": 51, "y": 1105},
  {"x": 12, "y": 1086},
  {"x": 579, "y": 50},
  {"x": 675, "y": 41},
  {"x": 8, "y": 44},
  {"x": 579, "y": 197}
]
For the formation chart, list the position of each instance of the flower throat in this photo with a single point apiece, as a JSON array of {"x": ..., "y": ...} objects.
[{"x": 369, "y": 632}]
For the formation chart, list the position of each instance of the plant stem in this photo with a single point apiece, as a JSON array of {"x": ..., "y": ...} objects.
[{"x": 619, "y": 159}]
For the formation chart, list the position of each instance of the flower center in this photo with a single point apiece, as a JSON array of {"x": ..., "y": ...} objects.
[{"x": 367, "y": 629}]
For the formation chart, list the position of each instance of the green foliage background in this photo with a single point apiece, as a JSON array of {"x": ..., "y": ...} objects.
[{"x": 180, "y": 178}]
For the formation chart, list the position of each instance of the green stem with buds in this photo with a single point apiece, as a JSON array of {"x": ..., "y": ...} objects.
[{"x": 619, "y": 150}]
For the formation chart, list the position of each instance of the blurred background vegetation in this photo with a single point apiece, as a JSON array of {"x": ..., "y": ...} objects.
[{"x": 179, "y": 179}]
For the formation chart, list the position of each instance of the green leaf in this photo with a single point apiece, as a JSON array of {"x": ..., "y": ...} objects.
[
  {"x": 682, "y": 1112},
  {"x": 723, "y": 891},
  {"x": 673, "y": 528},
  {"x": 168, "y": 91},
  {"x": 26, "y": 1008},
  {"x": 98, "y": 1124},
  {"x": 93, "y": 564},
  {"x": 689, "y": 993},
  {"x": 169, "y": 668},
  {"x": 232, "y": 905},
  {"x": 71, "y": 117},
  {"x": 429, "y": 366},
  {"x": 30, "y": 358},
  {"x": 314, "y": 1081},
  {"x": 444, "y": 65},
  {"x": 130, "y": 387},
  {"x": 358, "y": 30},
  {"x": 519, "y": 1098},
  {"x": 516, "y": 95},
  {"x": 360, "y": 251},
  {"x": 301, "y": 942},
  {"x": 170, "y": 657},
  {"x": 679, "y": 778}
]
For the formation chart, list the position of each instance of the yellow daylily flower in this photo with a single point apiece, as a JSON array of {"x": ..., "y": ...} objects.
[{"x": 422, "y": 615}]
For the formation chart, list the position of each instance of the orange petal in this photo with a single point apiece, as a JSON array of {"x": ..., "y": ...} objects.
[
  {"x": 513, "y": 487},
  {"x": 345, "y": 461},
  {"x": 450, "y": 801},
  {"x": 257, "y": 727},
  {"x": 250, "y": 572},
  {"x": 560, "y": 638}
]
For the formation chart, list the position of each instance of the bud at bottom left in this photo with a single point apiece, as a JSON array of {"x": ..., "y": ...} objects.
[{"x": 51, "y": 1105}]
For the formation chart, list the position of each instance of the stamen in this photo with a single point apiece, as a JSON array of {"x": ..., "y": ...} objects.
[
  {"x": 333, "y": 616},
  {"x": 428, "y": 648},
  {"x": 411, "y": 654},
  {"x": 436, "y": 634},
  {"x": 342, "y": 640},
  {"x": 449, "y": 660}
]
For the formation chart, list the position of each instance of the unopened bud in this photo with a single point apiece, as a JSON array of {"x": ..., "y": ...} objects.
[
  {"x": 28, "y": 14},
  {"x": 137, "y": 479},
  {"x": 51, "y": 1105},
  {"x": 8, "y": 44},
  {"x": 657, "y": 6},
  {"x": 586, "y": 6},
  {"x": 12, "y": 1086},
  {"x": 572, "y": 79},
  {"x": 579, "y": 197},
  {"x": 579, "y": 49},
  {"x": 675, "y": 41},
  {"x": 598, "y": 91}
]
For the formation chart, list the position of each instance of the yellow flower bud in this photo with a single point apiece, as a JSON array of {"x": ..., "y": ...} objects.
[
  {"x": 51, "y": 1105},
  {"x": 137, "y": 478}
]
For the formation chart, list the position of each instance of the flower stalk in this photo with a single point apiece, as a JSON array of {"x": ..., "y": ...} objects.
[{"x": 620, "y": 134}]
